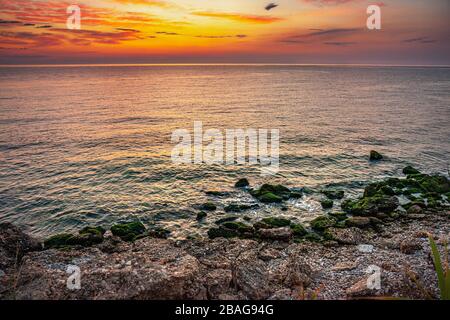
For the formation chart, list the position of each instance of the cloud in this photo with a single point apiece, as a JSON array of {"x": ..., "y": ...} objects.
[
  {"x": 420, "y": 40},
  {"x": 239, "y": 17},
  {"x": 340, "y": 43}
]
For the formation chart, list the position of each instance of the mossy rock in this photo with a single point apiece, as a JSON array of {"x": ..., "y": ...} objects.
[
  {"x": 410, "y": 170},
  {"x": 312, "y": 237},
  {"x": 271, "y": 193},
  {"x": 338, "y": 215},
  {"x": 208, "y": 206},
  {"x": 334, "y": 194},
  {"x": 226, "y": 219},
  {"x": 59, "y": 240},
  {"x": 375, "y": 156},
  {"x": 323, "y": 222},
  {"x": 298, "y": 230},
  {"x": 276, "y": 222},
  {"x": 128, "y": 231},
  {"x": 242, "y": 183},
  {"x": 371, "y": 205},
  {"x": 221, "y": 232},
  {"x": 327, "y": 203},
  {"x": 436, "y": 183},
  {"x": 201, "y": 215},
  {"x": 236, "y": 207},
  {"x": 269, "y": 197},
  {"x": 99, "y": 231},
  {"x": 238, "y": 226}
]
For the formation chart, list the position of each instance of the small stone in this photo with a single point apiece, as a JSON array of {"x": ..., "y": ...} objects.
[
  {"x": 415, "y": 209},
  {"x": 242, "y": 183},
  {"x": 410, "y": 246},
  {"x": 414, "y": 216},
  {"x": 282, "y": 234},
  {"x": 375, "y": 156},
  {"x": 360, "y": 289},
  {"x": 358, "y": 222},
  {"x": 365, "y": 248},
  {"x": 345, "y": 266},
  {"x": 349, "y": 236},
  {"x": 201, "y": 215}
]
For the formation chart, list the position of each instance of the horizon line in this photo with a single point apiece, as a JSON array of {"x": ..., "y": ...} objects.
[{"x": 221, "y": 64}]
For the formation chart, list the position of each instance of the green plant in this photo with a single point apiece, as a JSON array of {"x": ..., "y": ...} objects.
[{"x": 442, "y": 268}]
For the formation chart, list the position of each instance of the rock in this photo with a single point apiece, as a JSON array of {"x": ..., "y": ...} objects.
[
  {"x": 358, "y": 222},
  {"x": 269, "y": 254},
  {"x": 327, "y": 204},
  {"x": 14, "y": 244},
  {"x": 410, "y": 170},
  {"x": 323, "y": 222},
  {"x": 282, "y": 234},
  {"x": 348, "y": 236},
  {"x": 208, "y": 206},
  {"x": 226, "y": 219},
  {"x": 158, "y": 232},
  {"x": 371, "y": 205},
  {"x": 270, "y": 198},
  {"x": 271, "y": 193},
  {"x": 236, "y": 207},
  {"x": 238, "y": 226},
  {"x": 360, "y": 289},
  {"x": 217, "y": 193},
  {"x": 217, "y": 282},
  {"x": 340, "y": 216},
  {"x": 87, "y": 236},
  {"x": 415, "y": 209},
  {"x": 334, "y": 194},
  {"x": 274, "y": 222},
  {"x": 365, "y": 248},
  {"x": 149, "y": 269},
  {"x": 201, "y": 215},
  {"x": 410, "y": 246},
  {"x": 222, "y": 232},
  {"x": 242, "y": 183},
  {"x": 128, "y": 231},
  {"x": 345, "y": 266},
  {"x": 298, "y": 230},
  {"x": 414, "y": 216},
  {"x": 375, "y": 156}
]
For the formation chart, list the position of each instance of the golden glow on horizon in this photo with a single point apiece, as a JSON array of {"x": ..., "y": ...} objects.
[{"x": 139, "y": 29}]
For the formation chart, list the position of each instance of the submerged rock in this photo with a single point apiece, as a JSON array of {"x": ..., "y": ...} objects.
[
  {"x": 375, "y": 156},
  {"x": 410, "y": 170},
  {"x": 201, "y": 215}
]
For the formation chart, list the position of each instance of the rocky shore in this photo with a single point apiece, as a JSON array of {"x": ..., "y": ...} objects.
[{"x": 334, "y": 257}]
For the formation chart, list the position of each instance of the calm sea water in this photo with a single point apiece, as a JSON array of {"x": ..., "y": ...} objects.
[{"x": 91, "y": 145}]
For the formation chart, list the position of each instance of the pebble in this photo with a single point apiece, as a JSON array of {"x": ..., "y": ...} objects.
[{"x": 365, "y": 248}]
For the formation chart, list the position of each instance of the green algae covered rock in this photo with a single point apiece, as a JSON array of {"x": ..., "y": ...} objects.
[
  {"x": 298, "y": 230},
  {"x": 272, "y": 193},
  {"x": 208, "y": 206},
  {"x": 323, "y": 222},
  {"x": 86, "y": 237},
  {"x": 327, "y": 203},
  {"x": 334, "y": 194},
  {"x": 371, "y": 205},
  {"x": 274, "y": 222},
  {"x": 128, "y": 231},
  {"x": 221, "y": 232}
]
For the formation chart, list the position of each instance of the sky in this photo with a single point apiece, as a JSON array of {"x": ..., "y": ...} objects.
[{"x": 413, "y": 32}]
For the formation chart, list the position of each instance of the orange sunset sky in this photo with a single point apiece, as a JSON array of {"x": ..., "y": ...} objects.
[{"x": 225, "y": 31}]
